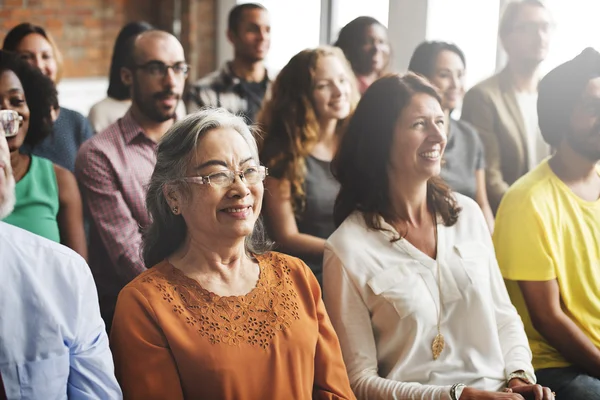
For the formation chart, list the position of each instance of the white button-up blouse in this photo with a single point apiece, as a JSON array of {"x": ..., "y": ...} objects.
[{"x": 383, "y": 300}]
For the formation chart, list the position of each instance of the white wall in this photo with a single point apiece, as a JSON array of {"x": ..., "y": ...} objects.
[{"x": 82, "y": 93}]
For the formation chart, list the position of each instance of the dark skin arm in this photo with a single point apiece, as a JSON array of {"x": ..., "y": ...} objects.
[
  {"x": 544, "y": 305},
  {"x": 70, "y": 212}
]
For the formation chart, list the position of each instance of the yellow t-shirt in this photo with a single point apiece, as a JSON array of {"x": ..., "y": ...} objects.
[{"x": 544, "y": 231}]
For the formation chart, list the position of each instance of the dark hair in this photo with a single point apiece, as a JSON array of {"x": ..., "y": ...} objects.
[
  {"x": 40, "y": 95},
  {"x": 511, "y": 11},
  {"x": 425, "y": 56},
  {"x": 16, "y": 34},
  {"x": 175, "y": 151},
  {"x": 237, "y": 12},
  {"x": 116, "y": 88},
  {"x": 560, "y": 91},
  {"x": 352, "y": 35},
  {"x": 363, "y": 158}
]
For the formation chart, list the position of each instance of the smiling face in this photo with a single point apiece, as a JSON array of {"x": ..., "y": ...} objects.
[
  {"x": 449, "y": 77},
  {"x": 252, "y": 38},
  {"x": 38, "y": 52},
  {"x": 375, "y": 50},
  {"x": 12, "y": 97},
  {"x": 154, "y": 94},
  {"x": 528, "y": 40},
  {"x": 331, "y": 89},
  {"x": 419, "y": 140},
  {"x": 217, "y": 212}
]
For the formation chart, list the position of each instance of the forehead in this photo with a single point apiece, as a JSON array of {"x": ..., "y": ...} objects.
[
  {"x": 531, "y": 13},
  {"x": 9, "y": 81},
  {"x": 448, "y": 59},
  {"x": 224, "y": 144},
  {"x": 375, "y": 31},
  {"x": 329, "y": 64},
  {"x": 34, "y": 42},
  {"x": 257, "y": 16},
  {"x": 163, "y": 48},
  {"x": 421, "y": 104}
]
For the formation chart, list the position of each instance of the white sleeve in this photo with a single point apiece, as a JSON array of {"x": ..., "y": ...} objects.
[{"x": 351, "y": 319}]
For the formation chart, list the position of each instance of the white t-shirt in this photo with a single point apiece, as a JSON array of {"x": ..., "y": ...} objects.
[
  {"x": 383, "y": 301},
  {"x": 537, "y": 149}
]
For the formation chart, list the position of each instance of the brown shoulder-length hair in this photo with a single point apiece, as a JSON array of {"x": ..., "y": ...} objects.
[
  {"x": 363, "y": 158},
  {"x": 289, "y": 122}
]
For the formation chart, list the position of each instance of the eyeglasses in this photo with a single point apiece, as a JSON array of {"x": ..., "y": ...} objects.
[
  {"x": 224, "y": 179},
  {"x": 10, "y": 122},
  {"x": 158, "y": 69}
]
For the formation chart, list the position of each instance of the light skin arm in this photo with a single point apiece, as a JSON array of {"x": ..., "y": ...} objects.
[
  {"x": 544, "y": 305},
  {"x": 482, "y": 200},
  {"x": 70, "y": 212},
  {"x": 282, "y": 223}
]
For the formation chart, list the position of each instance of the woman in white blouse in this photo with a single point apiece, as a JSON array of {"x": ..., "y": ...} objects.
[{"x": 411, "y": 281}]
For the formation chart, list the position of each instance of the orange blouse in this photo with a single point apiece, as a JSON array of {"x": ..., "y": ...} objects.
[{"x": 172, "y": 339}]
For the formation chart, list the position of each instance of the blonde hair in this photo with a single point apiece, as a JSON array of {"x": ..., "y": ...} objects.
[{"x": 289, "y": 120}]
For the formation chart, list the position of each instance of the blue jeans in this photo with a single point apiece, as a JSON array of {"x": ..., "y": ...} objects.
[{"x": 569, "y": 383}]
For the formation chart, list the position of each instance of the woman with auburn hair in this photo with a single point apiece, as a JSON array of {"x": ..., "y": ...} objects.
[
  {"x": 311, "y": 99},
  {"x": 411, "y": 282},
  {"x": 35, "y": 46}
]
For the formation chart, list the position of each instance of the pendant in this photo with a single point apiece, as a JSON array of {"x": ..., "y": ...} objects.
[{"x": 438, "y": 345}]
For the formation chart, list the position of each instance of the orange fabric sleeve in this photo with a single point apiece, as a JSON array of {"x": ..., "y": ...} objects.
[
  {"x": 144, "y": 364},
  {"x": 331, "y": 378}
]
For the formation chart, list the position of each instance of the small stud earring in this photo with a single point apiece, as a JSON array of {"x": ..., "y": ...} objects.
[{"x": 175, "y": 210}]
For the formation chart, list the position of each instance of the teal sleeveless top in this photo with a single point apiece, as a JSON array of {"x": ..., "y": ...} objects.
[{"x": 37, "y": 200}]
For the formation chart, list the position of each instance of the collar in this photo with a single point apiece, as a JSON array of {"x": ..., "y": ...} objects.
[
  {"x": 229, "y": 79},
  {"x": 130, "y": 129}
]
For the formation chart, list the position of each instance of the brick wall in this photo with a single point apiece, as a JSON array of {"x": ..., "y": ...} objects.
[{"x": 85, "y": 30}]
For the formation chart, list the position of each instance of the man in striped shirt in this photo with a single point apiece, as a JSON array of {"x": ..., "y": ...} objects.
[{"x": 115, "y": 165}]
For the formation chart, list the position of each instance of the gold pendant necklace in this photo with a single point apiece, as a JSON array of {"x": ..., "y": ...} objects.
[{"x": 438, "y": 342}]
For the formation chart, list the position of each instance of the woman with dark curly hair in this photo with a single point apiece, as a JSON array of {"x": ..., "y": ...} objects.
[
  {"x": 48, "y": 200},
  {"x": 35, "y": 46},
  {"x": 310, "y": 100},
  {"x": 364, "y": 41}
]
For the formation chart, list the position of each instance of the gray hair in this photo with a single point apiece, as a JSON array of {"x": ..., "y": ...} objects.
[
  {"x": 167, "y": 231},
  {"x": 511, "y": 10}
]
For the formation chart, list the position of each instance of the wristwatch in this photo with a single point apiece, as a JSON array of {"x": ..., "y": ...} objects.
[
  {"x": 456, "y": 390},
  {"x": 522, "y": 375}
]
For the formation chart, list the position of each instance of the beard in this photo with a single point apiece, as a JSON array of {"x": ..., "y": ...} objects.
[
  {"x": 587, "y": 146},
  {"x": 9, "y": 199},
  {"x": 148, "y": 104}
]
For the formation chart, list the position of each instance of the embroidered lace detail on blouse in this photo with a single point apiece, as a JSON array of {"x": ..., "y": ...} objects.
[{"x": 255, "y": 318}]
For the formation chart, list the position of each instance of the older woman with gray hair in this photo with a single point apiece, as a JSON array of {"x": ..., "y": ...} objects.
[{"x": 218, "y": 315}]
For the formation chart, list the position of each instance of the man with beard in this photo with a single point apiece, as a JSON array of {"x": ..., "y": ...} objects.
[
  {"x": 115, "y": 165},
  {"x": 52, "y": 339},
  {"x": 547, "y": 234},
  {"x": 240, "y": 85},
  {"x": 503, "y": 107}
]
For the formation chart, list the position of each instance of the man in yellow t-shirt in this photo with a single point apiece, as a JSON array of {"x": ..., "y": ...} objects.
[{"x": 547, "y": 234}]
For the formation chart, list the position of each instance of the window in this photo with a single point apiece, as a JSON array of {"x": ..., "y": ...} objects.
[
  {"x": 295, "y": 26},
  {"x": 473, "y": 26},
  {"x": 576, "y": 28},
  {"x": 344, "y": 11}
]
